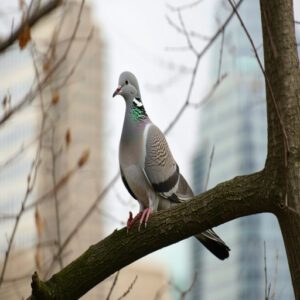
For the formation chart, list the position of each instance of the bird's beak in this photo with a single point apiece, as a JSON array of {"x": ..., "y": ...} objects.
[{"x": 117, "y": 91}]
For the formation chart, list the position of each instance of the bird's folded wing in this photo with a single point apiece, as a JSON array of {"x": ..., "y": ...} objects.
[{"x": 160, "y": 167}]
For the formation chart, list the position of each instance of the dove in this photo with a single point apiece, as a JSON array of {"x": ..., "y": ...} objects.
[{"x": 148, "y": 168}]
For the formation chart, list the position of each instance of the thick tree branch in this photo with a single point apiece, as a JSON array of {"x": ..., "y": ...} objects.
[
  {"x": 31, "y": 20},
  {"x": 238, "y": 197}
]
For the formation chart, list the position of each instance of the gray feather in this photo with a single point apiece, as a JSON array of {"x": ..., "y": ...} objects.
[{"x": 160, "y": 166}]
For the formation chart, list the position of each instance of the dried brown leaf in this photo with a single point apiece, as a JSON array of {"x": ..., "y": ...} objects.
[
  {"x": 38, "y": 222},
  {"x": 4, "y": 101},
  {"x": 25, "y": 36},
  {"x": 46, "y": 65},
  {"x": 83, "y": 158},
  {"x": 64, "y": 179},
  {"x": 55, "y": 97},
  {"x": 68, "y": 137}
]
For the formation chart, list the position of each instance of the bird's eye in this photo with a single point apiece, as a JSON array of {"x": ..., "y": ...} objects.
[{"x": 126, "y": 81}]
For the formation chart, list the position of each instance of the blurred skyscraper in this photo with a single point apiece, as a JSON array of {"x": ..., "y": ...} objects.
[{"x": 233, "y": 122}]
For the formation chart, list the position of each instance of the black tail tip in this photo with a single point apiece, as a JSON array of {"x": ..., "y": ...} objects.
[
  {"x": 221, "y": 252},
  {"x": 218, "y": 248}
]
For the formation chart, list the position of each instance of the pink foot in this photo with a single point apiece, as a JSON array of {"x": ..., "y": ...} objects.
[
  {"x": 145, "y": 217},
  {"x": 131, "y": 221}
]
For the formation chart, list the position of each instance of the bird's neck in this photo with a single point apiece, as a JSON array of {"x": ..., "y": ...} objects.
[
  {"x": 135, "y": 121},
  {"x": 136, "y": 110}
]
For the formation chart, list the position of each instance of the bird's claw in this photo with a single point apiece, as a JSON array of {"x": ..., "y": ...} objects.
[
  {"x": 143, "y": 216},
  {"x": 131, "y": 221}
]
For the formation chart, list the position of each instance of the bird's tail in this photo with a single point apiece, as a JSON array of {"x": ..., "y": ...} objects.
[{"x": 214, "y": 244}]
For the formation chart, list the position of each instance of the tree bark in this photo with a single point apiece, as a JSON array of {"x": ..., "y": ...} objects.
[{"x": 283, "y": 163}]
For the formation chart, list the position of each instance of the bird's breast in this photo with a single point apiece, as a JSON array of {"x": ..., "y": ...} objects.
[{"x": 137, "y": 183}]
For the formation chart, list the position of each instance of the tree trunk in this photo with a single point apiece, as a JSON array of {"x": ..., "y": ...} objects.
[{"x": 283, "y": 102}]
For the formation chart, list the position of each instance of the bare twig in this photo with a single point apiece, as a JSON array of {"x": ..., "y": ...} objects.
[
  {"x": 191, "y": 33},
  {"x": 209, "y": 167},
  {"x": 210, "y": 93},
  {"x": 4, "y": 216},
  {"x": 177, "y": 48},
  {"x": 160, "y": 87},
  {"x": 54, "y": 155},
  {"x": 113, "y": 285},
  {"x": 196, "y": 66},
  {"x": 160, "y": 291},
  {"x": 265, "y": 272},
  {"x": 31, "y": 20},
  {"x": 221, "y": 54},
  {"x": 183, "y": 7},
  {"x": 185, "y": 32},
  {"x": 129, "y": 289},
  {"x": 184, "y": 293},
  {"x": 275, "y": 275},
  {"x": 186, "y": 103}
]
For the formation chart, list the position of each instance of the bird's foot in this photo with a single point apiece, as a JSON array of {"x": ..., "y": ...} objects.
[
  {"x": 131, "y": 221},
  {"x": 145, "y": 217}
]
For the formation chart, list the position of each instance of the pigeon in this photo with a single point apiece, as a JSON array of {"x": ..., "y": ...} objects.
[{"x": 148, "y": 168}]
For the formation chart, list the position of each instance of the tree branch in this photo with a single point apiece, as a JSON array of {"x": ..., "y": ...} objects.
[
  {"x": 32, "y": 19},
  {"x": 238, "y": 197}
]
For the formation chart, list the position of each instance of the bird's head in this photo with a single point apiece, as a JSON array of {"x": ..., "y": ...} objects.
[{"x": 128, "y": 87}]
